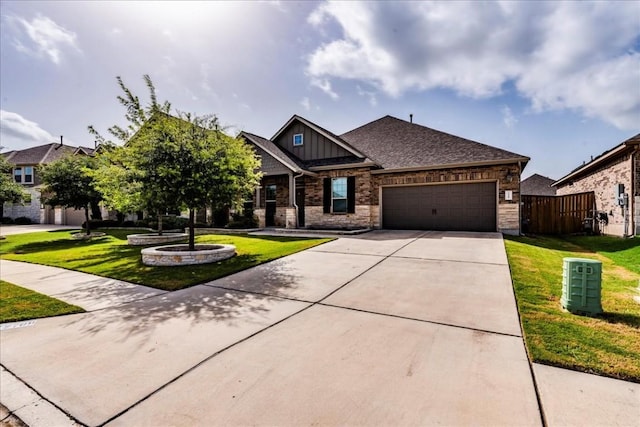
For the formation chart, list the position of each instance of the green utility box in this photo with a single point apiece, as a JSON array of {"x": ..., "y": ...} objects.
[{"x": 582, "y": 286}]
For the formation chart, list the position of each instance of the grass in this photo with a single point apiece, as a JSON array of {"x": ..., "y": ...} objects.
[
  {"x": 608, "y": 344},
  {"x": 17, "y": 303},
  {"x": 110, "y": 256}
]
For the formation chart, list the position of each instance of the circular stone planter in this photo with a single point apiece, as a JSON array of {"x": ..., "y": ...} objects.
[
  {"x": 84, "y": 236},
  {"x": 155, "y": 238},
  {"x": 181, "y": 255}
]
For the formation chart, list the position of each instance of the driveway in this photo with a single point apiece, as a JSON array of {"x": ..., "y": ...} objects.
[{"x": 385, "y": 328}]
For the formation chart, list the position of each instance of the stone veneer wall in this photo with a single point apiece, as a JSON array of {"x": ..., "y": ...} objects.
[
  {"x": 29, "y": 210},
  {"x": 636, "y": 199},
  {"x": 602, "y": 182},
  {"x": 368, "y": 193}
]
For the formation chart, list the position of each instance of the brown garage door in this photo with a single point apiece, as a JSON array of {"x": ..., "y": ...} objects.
[{"x": 459, "y": 207}]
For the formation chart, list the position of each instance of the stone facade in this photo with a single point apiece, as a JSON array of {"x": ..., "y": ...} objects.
[
  {"x": 636, "y": 198},
  {"x": 362, "y": 218},
  {"x": 603, "y": 182},
  {"x": 31, "y": 209}
]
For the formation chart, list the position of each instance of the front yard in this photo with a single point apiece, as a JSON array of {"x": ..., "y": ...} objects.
[
  {"x": 110, "y": 256},
  {"x": 17, "y": 303},
  {"x": 608, "y": 344}
]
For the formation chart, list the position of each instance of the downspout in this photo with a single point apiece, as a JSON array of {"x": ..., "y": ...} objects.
[
  {"x": 519, "y": 198},
  {"x": 293, "y": 197}
]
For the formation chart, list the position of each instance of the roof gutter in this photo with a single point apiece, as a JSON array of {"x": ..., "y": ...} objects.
[{"x": 519, "y": 160}]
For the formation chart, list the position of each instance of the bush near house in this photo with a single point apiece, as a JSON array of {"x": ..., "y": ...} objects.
[{"x": 22, "y": 220}]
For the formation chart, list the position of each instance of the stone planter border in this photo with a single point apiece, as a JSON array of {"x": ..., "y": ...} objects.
[
  {"x": 173, "y": 255},
  {"x": 155, "y": 239}
]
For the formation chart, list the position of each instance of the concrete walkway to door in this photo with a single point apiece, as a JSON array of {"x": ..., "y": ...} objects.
[{"x": 386, "y": 328}]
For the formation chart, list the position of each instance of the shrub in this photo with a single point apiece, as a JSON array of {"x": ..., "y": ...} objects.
[
  {"x": 22, "y": 220},
  {"x": 128, "y": 223},
  {"x": 101, "y": 223},
  {"x": 7, "y": 220},
  {"x": 242, "y": 221}
]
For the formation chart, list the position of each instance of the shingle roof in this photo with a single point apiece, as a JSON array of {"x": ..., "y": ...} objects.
[
  {"x": 537, "y": 185},
  {"x": 398, "y": 144},
  {"x": 41, "y": 154}
]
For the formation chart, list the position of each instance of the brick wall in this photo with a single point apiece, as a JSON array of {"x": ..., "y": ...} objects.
[
  {"x": 602, "y": 182},
  {"x": 368, "y": 193}
]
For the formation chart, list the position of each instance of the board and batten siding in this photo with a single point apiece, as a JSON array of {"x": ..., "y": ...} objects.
[
  {"x": 270, "y": 165},
  {"x": 315, "y": 145}
]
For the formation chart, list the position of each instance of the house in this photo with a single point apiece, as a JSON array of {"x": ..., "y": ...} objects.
[
  {"x": 25, "y": 171},
  {"x": 614, "y": 177},
  {"x": 537, "y": 185},
  {"x": 389, "y": 173}
]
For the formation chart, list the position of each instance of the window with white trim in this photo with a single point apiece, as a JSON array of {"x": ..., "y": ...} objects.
[
  {"x": 339, "y": 195},
  {"x": 298, "y": 139},
  {"x": 23, "y": 175}
]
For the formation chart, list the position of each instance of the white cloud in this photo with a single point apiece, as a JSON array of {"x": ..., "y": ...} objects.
[
  {"x": 16, "y": 128},
  {"x": 306, "y": 104},
  {"x": 325, "y": 86},
  {"x": 560, "y": 55},
  {"x": 507, "y": 117},
  {"x": 45, "y": 38},
  {"x": 369, "y": 94}
]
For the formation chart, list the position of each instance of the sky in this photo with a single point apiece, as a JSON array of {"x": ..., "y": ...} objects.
[{"x": 558, "y": 82}]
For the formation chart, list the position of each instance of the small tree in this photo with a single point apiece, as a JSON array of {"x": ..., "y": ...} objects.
[
  {"x": 68, "y": 184},
  {"x": 188, "y": 161},
  {"x": 10, "y": 191}
]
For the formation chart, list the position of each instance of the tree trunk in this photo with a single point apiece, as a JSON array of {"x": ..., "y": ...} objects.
[
  {"x": 86, "y": 219},
  {"x": 159, "y": 223},
  {"x": 192, "y": 234}
]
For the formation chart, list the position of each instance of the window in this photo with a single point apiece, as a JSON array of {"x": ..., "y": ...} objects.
[
  {"x": 298, "y": 139},
  {"x": 28, "y": 175},
  {"x": 339, "y": 195},
  {"x": 23, "y": 175},
  {"x": 270, "y": 193}
]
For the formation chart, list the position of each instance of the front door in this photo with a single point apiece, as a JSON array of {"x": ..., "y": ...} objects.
[
  {"x": 300, "y": 204},
  {"x": 270, "y": 200}
]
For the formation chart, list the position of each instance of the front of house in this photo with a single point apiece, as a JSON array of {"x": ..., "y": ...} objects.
[
  {"x": 26, "y": 172},
  {"x": 388, "y": 173}
]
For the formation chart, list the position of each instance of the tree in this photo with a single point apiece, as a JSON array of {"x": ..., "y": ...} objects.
[
  {"x": 190, "y": 162},
  {"x": 68, "y": 184},
  {"x": 10, "y": 191}
]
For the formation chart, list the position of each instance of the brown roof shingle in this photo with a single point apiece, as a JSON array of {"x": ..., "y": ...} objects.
[
  {"x": 398, "y": 144},
  {"x": 42, "y": 154}
]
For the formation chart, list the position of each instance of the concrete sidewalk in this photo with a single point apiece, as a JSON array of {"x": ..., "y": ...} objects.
[{"x": 385, "y": 328}]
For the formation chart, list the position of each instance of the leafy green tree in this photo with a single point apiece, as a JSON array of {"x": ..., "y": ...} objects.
[
  {"x": 190, "y": 162},
  {"x": 10, "y": 191},
  {"x": 68, "y": 184}
]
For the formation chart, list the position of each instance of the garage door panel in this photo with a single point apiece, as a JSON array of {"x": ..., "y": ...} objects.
[{"x": 465, "y": 207}]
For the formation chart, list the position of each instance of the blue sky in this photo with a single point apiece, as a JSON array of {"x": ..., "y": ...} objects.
[{"x": 556, "y": 81}]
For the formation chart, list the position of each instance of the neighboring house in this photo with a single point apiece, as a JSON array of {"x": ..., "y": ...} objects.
[
  {"x": 389, "y": 173},
  {"x": 25, "y": 171},
  {"x": 537, "y": 185},
  {"x": 614, "y": 177}
]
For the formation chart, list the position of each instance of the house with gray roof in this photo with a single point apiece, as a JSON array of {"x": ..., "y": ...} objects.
[
  {"x": 614, "y": 178},
  {"x": 537, "y": 185},
  {"x": 389, "y": 173},
  {"x": 26, "y": 165}
]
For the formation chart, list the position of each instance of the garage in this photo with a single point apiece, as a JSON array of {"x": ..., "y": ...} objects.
[{"x": 453, "y": 207}]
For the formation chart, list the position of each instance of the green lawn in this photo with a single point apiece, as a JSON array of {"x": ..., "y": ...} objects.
[
  {"x": 110, "y": 256},
  {"x": 608, "y": 344},
  {"x": 18, "y": 303}
]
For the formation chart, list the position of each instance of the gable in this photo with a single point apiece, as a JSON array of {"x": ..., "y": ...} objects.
[
  {"x": 315, "y": 146},
  {"x": 269, "y": 165}
]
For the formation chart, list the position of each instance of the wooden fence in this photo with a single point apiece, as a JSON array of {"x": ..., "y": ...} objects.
[{"x": 558, "y": 214}]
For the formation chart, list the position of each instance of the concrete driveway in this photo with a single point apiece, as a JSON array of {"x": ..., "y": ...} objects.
[{"x": 386, "y": 328}]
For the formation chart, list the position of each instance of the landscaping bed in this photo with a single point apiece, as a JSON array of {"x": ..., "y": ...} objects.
[
  {"x": 111, "y": 256},
  {"x": 608, "y": 344}
]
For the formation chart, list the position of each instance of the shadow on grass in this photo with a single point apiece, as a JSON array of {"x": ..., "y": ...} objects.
[
  {"x": 632, "y": 320},
  {"x": 549, "y": 242}
]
